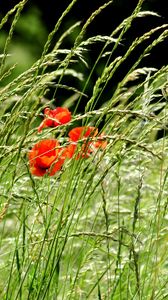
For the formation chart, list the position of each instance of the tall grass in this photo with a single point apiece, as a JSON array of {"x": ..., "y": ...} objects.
[{"x": 98, "y": 228}]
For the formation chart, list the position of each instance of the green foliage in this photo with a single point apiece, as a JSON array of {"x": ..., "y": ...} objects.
[{"x": 98, "y": 228}]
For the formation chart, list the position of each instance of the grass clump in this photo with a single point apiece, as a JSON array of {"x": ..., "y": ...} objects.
[{"x": 97, "y": 228}]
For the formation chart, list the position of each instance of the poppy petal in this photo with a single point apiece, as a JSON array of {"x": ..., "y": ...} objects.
[
  {"x": 55, "y": 117},
  {"x": 82, "y": 132},
  {"x": 43, "y": 155}
]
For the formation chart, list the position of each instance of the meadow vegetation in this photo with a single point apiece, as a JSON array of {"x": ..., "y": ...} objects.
[{"x": 96, "y": 228}]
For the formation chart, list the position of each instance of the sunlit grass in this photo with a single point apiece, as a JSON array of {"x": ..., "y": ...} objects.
[{"x": 98, "y": 228}]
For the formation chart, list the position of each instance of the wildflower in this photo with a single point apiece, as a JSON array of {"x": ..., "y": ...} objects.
[
  {"x": 78, "y": 133},
  {"x": 69, "y": 150},
  {"x": 100, "y": 143},
  {"x": 81, "y": 133},
  {"x": 45, "y": 158},
  {"x": 88, "y": 146},
  {"x": 55, "y": 117}
]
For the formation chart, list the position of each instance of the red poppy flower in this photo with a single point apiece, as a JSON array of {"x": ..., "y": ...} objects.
[
  {"x": 74, "y": 150},
  {"x": 45, "y": 157},
  {"x": 78, "y": 133},
  {"x": 69, "y": 151},
  {"x": 55, "y": 117},
  {"x": 100, "y": 143},
  {"x": 87, "y": 146}
]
